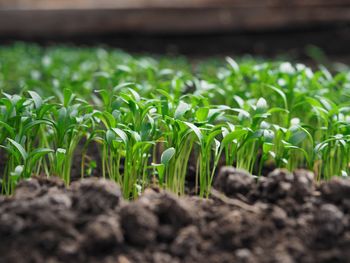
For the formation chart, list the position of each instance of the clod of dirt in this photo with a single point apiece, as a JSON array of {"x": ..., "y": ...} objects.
[
  {"x": 233, "y": 182},
  {"x": 278, "y": 216},
  {"x": 303, "y": 185},
  {"x": 94, "y": 196},
  {"x": 276, "y": 185},
  {"x": 336, "y": 190},
  {"x": 187, "y": 242},
  {"x": 43, "y": 223},
  {"x": 329, "y": 221},
  {"x": 36, "y": 186},
  {"x": 234, "y": 230},
  {"x": 244, "y": 255},
  {"x": 172, "y": 213},
  {"x": 139, "y": 224},
  {"x": 161, "y": 257},
  {"x": 103, "y": 234},
  {"x": 28, "y": 189},
  {"x": 281, "y": 184}
]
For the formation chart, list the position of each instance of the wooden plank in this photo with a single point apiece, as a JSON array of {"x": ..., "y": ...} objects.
[
  {"x": 67, "y": 17},
  {"x": 68, "y": 22},
  {"x": 137, "y": 4}
]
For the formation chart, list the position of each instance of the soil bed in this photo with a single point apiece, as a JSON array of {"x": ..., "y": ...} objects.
[{"x": 284, "y": 217}]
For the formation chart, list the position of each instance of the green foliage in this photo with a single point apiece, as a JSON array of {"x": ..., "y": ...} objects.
[{"x": 150, "y": 119}]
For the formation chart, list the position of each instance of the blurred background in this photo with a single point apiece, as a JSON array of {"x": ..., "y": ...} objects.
[{"x": 190, "y": 27}]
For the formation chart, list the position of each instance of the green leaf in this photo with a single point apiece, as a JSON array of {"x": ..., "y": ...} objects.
[
  {"x": 19, "y": 148},
  {"x": 110, "y": 137},
  {"x": 160, "y": 169},
  {"x": 267, "y": 147},
  {"x": 297, "y": 137},
  {"x": 60, "y": 157},
  {"x": 136, "y": 136},
  {"x": 209, "y": 138},
  {"x": 45, "y": 108},
  {"x": 9, "y": 129},
  {"x": 298, "y": 134},
  {"x": 281, "y": 93},
  {"x": 135, "y": 94},
  {"x": 61, "y": 151},
  {"x": 196, "y": 130},
  {"x": 38, "y": 153},
  {"x": 321, "y": 146},
  {"x": 106, "y": 117},
  {"x": 239, "y": 101},
  {"x": 124, "y": 68},
  {"x": 167, "y": 155},
  {"x": 181, "y": 109},
  {"x": 202, "y": 114},
  {"x": 232, "y": 136},
  {"x": 233, "y": 64},
  {"x": 67, "y": 97},
  {"x": 268, "y": 135},
  {"x": 106, "y": 97},
  {"x": 18, "y": 171},
  {"x": 277, "y": 110},
  {"x": 101, "y": 74},
  {"x": 123, "y": 85},
  {"x": 143, "y": 146},
  {"x": 121, "y": 134},
  {"x": 261, "y": 105},
  {"x": 36, "y": 98},
  {"x": 165, "y": 94},
  {"x": 37, "y": 122},
  {"x": 217, "y": 146}
]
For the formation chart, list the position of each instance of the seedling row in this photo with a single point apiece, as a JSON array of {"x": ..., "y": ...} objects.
[{"x": 151, "y": 118}]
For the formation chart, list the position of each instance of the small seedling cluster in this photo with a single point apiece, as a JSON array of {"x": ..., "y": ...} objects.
[{"x": 150, "y": 119}]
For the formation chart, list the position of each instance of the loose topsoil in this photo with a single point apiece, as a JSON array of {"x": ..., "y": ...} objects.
[{"x": 284, "y": 217}]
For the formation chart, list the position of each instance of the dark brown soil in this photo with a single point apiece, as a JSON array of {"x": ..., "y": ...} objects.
[{"x": 284, "y": 217}]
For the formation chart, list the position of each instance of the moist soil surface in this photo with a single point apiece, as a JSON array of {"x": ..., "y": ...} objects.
[{"x": 284, "y": 217}]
